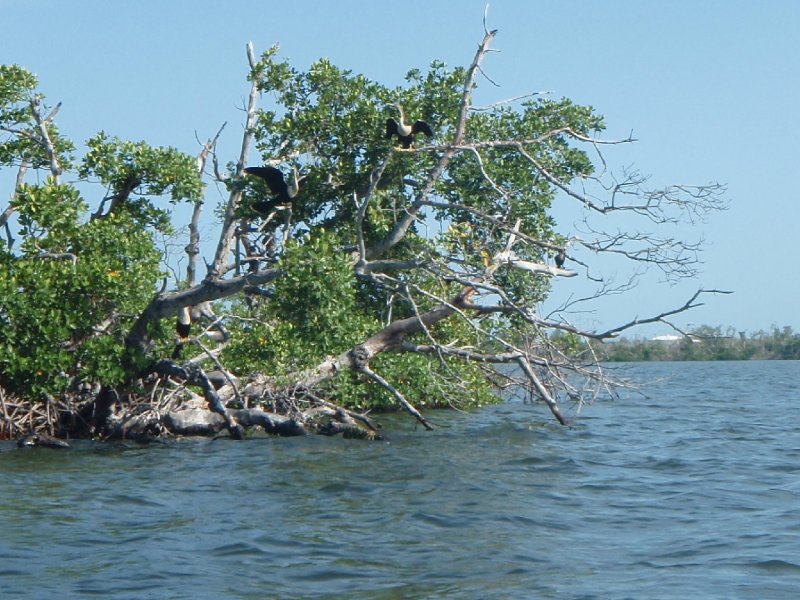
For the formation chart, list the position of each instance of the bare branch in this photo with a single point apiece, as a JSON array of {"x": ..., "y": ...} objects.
[
  {"x": 525, "y": 365},
  {"x": 59, "y": 256},
  {"x": 660, "y": 318},
  {"x": 166, "y": 304},
  {"x": 490, "y": 219},
  {"x": 361, "y": 209},
  {"x": 397, "y": 395},
  {"x": 41, "y": 122},
  {"x": 494, "y": 105},
  {"x": 511, "y": 259},
  {"x": 195, "y": 375},
  {"x": 229, "y": 219}
]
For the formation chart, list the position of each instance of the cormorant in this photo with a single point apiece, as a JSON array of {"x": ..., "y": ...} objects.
[
  {"x": 282, "y": 193},
  {"x": 405, "y": 133},
  {"x": 560, "y": 258}
]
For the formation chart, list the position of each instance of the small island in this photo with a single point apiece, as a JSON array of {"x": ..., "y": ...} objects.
[{"x": 343, "y": 263}]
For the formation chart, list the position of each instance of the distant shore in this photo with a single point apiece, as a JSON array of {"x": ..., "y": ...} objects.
[{"x": 705, "y": 343}]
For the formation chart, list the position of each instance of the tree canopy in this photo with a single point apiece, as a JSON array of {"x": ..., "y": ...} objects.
[{"x": 395, "y": 277}]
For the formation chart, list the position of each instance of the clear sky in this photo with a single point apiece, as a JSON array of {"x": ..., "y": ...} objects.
[{"x": 710, "y": 89}]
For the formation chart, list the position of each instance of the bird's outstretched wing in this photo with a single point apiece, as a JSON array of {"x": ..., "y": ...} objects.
[
  {"x": 274, "y": 178},
  {"x": 391, "y": 128},
  {"x": 422, "y": 127}
]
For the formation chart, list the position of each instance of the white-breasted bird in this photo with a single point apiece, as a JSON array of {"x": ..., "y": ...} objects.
[
  {"x": 405, "y": 132},
  {"x": 182, "y": 327}
]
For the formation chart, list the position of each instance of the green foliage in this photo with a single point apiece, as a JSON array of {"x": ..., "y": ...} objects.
[
  {"x": 67, "y": 297},
  {"x": 47, "y": 213},
  {"x": 311, "y": 314},
  {"x": 116, "y": 162},
  {"x": 425, "y": 381},
  {"x": 316, "y": 295},
  {"x": 20, "y": 138},
  {"x": 73, "y": 285},
  {"x": 333, "y": 123},
  {"x": 134, "y": 167},
  {"x": 329, "y": 123},
  {"x": 16, "y": 85},
  {"x": 315, "y": 312}
]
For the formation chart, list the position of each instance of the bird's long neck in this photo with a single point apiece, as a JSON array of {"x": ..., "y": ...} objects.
[
  {"x": 294, "y": 186},
  {"x": 402, "y": 115},
  {"x": 402, "y": 127}
]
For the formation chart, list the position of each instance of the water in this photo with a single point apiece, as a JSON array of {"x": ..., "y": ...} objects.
[{"x": 690, "y": 492}]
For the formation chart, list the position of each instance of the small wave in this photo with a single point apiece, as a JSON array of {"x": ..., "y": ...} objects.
[
  {"x": 328, "y": 574},
  {"x": 123, "y": 499},
  {"x": 776, "y": 566},
  {"x": 238, "y": 549},
  {"x": 440, "y": 520}
]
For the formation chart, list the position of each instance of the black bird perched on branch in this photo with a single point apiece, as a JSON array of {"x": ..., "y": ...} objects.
[
  {"x": 182, "y": 328},
  {"x": 405, "y": 133},
  {"x": 282, "y": 192},
  {"x": 560, "y": 258}
]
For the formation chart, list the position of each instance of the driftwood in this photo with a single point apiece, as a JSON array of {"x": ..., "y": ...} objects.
[
  {"x": 181, "y": 400},
  {"x": 320, "y": 420},
  {"x": 196, "y": 421}
]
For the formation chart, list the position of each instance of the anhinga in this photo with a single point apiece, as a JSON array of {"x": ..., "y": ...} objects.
[
  {"x": 182, "y": 328},
  {"x": 282, "y": 192},
  {"x": 560, "y": 258},
  {"x": 404, "y": 132},
  {"x": 41, "y": 439}
]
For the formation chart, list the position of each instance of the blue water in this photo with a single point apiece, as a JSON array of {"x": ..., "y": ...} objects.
[{"x": 690, "y": 491}]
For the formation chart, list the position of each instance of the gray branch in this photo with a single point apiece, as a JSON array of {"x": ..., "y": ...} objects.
[{"x": 227, "y": 235}]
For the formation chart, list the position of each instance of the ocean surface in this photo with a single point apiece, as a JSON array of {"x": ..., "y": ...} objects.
[{"x": 688, "y": 489}]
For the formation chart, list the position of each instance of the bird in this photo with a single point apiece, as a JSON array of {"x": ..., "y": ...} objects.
[
  {"x": 182, "y": 328},
  {"x": 282, "y": 192},
  {"x": 560, "y": 258},
  {"x": 405, "y": 133},
  {"x": 41, "y": 439}
]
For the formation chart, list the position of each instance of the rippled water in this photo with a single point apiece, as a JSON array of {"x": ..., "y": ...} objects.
[{"x": 690, "y": 492}]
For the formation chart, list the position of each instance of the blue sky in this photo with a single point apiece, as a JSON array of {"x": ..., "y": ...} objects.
[{"x": 710, "y": 89}]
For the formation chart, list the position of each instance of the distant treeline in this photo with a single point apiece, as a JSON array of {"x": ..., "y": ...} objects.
[{"x": 707, "y": 343}]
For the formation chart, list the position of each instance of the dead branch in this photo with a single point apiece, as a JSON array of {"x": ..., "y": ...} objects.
[
  {"x": 193, "y": 247},
  {"x": 46, "y": 141},
  {"x": 660, "y": 318},
  {"x": 409, "y": 408},
  {"x": 166, "y": 304},
  {"x": 229, "y": 224},
  {"x": 194, "y": 375},
  {"x": 59, "y": 256}
]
